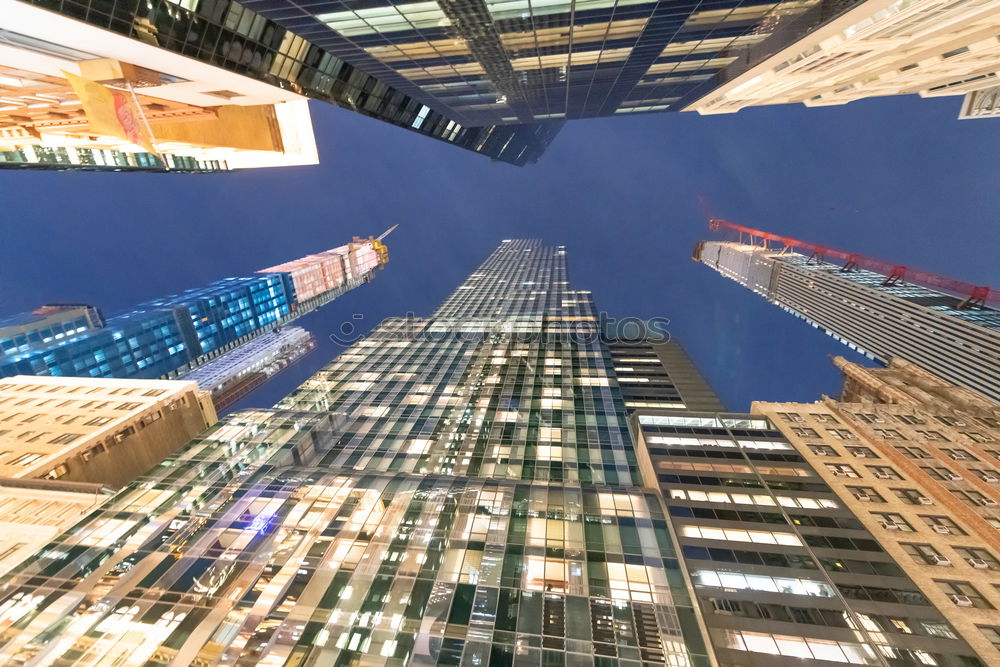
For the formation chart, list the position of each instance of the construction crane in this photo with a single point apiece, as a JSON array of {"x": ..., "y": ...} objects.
[{"x": 972, "y": 295}]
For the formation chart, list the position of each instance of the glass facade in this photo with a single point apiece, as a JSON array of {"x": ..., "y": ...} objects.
[
  {"x": 467, "y": 489},
  {"x": 96, "y": 159},
  {"x": 230, "y": 309},
  {"x": 232, "y": 36},
  {"x": 514, "y": 61},
  {"x": 780, "y": 565},
  {"x": 455, "y": 490}
]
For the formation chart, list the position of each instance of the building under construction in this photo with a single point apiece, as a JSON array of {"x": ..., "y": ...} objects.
[
  {"x": 879, "y": 309},
  {"x": 176, "y": 335}
]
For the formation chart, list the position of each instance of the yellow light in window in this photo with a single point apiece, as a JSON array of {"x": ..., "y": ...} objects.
[
  {"x": 419, "y": 446},
  {"x": 550, "y": 453},
  {"x": 549, "y": 434}
]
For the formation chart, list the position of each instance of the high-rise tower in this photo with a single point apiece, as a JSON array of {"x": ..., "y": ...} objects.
[
  {"x": 948, "y": 328},
  {"x": 464, "y": 489},
  {"x": 915, "y": 458},
  {"x": 174, "y": 335},
  {"x": 454, "y": 490},
  {"x": 218, "y": 85},
  {"x": 934, "y": 48},
  {"x": 513, "y": 61}
]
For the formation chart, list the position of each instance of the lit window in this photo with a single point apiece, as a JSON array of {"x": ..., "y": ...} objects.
[
  {"x": 411, "y": 16},
  {"x": 755, "y": 582},
  {"x": 736, "y": 535}
]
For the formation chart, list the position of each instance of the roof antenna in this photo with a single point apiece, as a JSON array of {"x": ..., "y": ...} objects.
[{"x": 386, "y": 232}]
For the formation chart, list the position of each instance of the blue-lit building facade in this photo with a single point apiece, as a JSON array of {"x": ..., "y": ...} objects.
[
  {"x": 165, "y": 337},
  {"x": 160, "y": 336},
  {"x": 516, "y": 61}
]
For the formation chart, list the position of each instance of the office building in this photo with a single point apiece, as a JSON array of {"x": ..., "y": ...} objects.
[
  {"x": 232, "y": 376},
  {"x": 172, "y": 336},
  {"x": 460, "y": 489},
  {"x": 66, "y": 443},
  {"x": 880, "y": 314},
  {"x": 781, "y": 568},
  {"x": 34, "y": 511},
  {"x": 465, "y": 489},
  {"x": 658, "y": 374},
  {"x": 221, "y": 86},
  {"x": 95, "y": 430},
  {"x": 201, "y": 118},
  {"x": 916, "y": 459},
  {"x": 932, "y": 48},
  {"x": 515, "y": 62}
]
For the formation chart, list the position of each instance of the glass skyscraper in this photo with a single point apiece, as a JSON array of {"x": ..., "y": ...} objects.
[
  {"x": 498, "y": 77},
  {"x": 484, "y": 62},
  {"x": 229, "y": 35},
  {"x": 465, "y": 489},
  {"x": 455, "y": 490}
]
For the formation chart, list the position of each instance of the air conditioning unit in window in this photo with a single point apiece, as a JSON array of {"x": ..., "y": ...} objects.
[
  {"x": 992, "y": 479},
  {"x": 955, "y": 478},
  {"x": 944, "y": 530},
  {"x": 989, "y": 502},
  {"x": 722, "y": 612},
  {"x": 961, "y": 600},
  {"x": 979, "y": 563},
  {"x": 940, "y": 561},
  {"x": 864, "y": 497},
  {"x": 924, "y": 500},
  {"x": 840, "y": 473},
  {"x": 883, "y": 475},
  {"x": 889, "y": 525}
]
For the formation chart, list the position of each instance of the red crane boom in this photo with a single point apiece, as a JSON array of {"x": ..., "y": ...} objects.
[{"x": 974, "y": 295}]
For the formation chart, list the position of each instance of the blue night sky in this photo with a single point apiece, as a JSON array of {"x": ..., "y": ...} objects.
[{"x": 896, "y": 178}]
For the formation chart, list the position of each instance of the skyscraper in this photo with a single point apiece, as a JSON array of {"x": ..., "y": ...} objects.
[
  {"x": 201, "y": 118},
  {"x": 781, "y": 568},
  {"x": 460, "y": 489},
  {"x": 465, "y": 489},
  {"x": 238, "y": 372},
  {"x": 67, "y": 443},
  {"x": 915, "y": 458},
  {"x": 933, "y": 48},
  {"x": 656, "y": 373},
  {"x": 514, "y": 62},
  {"x": 171, "y": 336},
  {"x": 220, "y": 85},
  {"x": 877, "y": 313}
]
